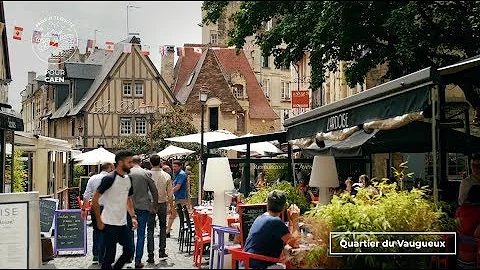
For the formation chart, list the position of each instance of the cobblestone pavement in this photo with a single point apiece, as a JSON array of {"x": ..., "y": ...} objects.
[{"x": 176, "y": 259}]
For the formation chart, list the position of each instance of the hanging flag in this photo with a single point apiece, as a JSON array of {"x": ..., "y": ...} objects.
[
  {"x": 54, "y": 40},
  {"x": 17, "y": 33},
  {"x": 90, "y": 44},
  {"x": 127, "y": 47},
  {"x": 109, "y": 46},
  {"x": 37, "y": 35},
  {"x": 162, "y": 50},
  {"x": 180, "y": 51},
  {"x": 145, "y": 50}
]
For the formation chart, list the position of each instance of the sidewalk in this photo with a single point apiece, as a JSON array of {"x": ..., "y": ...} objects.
[{"x": 176, "y": 260}]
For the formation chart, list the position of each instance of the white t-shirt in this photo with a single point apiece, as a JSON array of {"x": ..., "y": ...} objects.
[{"x": 115, "y": 190}]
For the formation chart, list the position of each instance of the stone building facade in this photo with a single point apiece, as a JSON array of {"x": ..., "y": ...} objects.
[{"x": 235, "y": 99}]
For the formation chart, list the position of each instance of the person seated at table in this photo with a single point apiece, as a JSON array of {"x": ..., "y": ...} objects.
[
  {"x": 269, "y": 234},
  {"x": 261, "y": 181},
  {"x": 468, "y": 227}
]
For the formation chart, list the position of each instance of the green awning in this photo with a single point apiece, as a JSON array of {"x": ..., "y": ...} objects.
[
  {"x": 398, "y": 97},
  {"x": 10, "y": 122},
  {"x": 411, "y": 138}
]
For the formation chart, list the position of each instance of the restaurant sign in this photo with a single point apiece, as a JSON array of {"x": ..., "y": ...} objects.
[{"x": 300, "y": 99}]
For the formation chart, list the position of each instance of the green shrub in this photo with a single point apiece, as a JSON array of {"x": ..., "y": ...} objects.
[
  {"x": 390, "y": 210},
  {"x": 294, "y": 195},
  {"x": 19, "y": 180}
]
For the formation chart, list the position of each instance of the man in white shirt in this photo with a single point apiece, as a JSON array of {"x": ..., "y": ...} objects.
[
  {"x": 92, "y": 185},
  {"x": 164, "y": 185},
  {"x": 115, "y": 191},
  {"x": 473, "y": 179}
]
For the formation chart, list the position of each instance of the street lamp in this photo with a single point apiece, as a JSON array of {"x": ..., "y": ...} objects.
[{"x": 203, "y": 96}]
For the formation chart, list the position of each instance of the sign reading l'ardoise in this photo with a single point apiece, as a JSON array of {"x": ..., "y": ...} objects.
[{"x": 336, "y": 122}]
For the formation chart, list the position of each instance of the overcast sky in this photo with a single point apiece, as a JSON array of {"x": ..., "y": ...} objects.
[{"x": 159, "y": 23}]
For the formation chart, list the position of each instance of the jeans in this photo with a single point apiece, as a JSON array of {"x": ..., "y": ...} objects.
[
  {"x": 112, "y": 236},
  {"x": 131, "y": 234},
  {"x": 98, "y": 248},
  {"x": 162, "y": 220},
  {"x": 142, "y": 218}
]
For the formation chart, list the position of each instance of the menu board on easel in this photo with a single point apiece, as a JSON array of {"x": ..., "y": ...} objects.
[
  {"x": 70, "y": 231},
  {"x": 73, "y": 193},
  {"x": 248, "y": 213}
]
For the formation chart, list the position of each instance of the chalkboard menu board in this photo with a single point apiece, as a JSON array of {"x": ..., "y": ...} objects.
[
  {"x": 73, "y": 193},
  {"x": 70, "y": 231},
  {"x": 248, "y": 213},
  {"x": 47, "y": 215}
]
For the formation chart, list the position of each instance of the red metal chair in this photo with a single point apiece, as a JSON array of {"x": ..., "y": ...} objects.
[
  {"x": 238, "y": 255},
  {"x": 202, "y": 239}
]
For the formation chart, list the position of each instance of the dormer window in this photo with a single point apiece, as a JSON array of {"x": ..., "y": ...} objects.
[
  {"x": 191, "y": 78},
  {"x": 238, "y": 91}
]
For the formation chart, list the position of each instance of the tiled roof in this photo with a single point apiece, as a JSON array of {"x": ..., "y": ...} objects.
[
  {"x": 186, "y": 65},
  {"x": 81, "y": 70},
  {"x": 62, "y": 110},
  {"x": 229, "y": 62}
]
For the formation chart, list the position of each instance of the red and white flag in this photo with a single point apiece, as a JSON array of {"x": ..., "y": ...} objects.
[
  {"x": 17, "y": 32},
  {"x": 145, "y": 50},
  {"x": 127, "y": 47},
  {"x": 197, "y": 50},
  {"x": 109, "y": 46},
  {"x": 54, "y": 40}
]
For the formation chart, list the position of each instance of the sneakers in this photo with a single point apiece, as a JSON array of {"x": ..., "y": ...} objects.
[
  {"x": 168, "y": 234},
  {"x": 139, "y": 265},
  {"x": 95, "y": 260},
  {"x": 162, "y": 256}
]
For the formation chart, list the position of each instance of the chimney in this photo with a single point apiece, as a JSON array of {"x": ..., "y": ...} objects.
[
  {"x": 167, "y": 65},
  {"x": 31, "y": 76}
]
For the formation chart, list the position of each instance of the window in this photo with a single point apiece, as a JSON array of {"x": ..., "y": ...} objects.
[
  {"x": 127, "y": 89},
  {"x": 139, "y": 89},
  {"x": 191, "y": 78},
  {"x": 213, "y": 38},
  {"x": 140, "y": 126},
  {"x": 125, "y": 126},
  {"x": 265, "y": 62},
  {"x": 266, "y": 87},
  {"x": 238, "y": 90},
  {"x": 285, "y": 90}
]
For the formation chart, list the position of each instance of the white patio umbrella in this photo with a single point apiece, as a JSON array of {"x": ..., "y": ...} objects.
[
  {"x": 174, "y": 151},
  {"x": 211, "y": 136},
  {"x": 260, "y": 147},
  {"x": 95, "y": 157}
]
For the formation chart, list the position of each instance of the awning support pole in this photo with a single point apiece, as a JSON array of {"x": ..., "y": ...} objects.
[
  {"x": 434, "y": 97},
  {"x": 291, "y": 164},
  {"x": 246, "y": 175}
]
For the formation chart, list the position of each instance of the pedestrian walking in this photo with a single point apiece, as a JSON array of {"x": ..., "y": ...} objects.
[
  {"x": 179, "y": 192},
  {"x": 115, "y": 191},
  {"x": 145, "y": 199},
  {"x": 163, "y": 182},
  {"x": 98, "y": 248}
]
